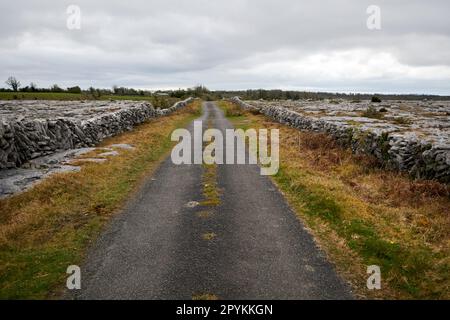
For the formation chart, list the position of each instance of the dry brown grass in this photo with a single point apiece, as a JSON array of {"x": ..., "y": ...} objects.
[
  {"x": 205, "y": 296},
  {"x": 208, "y": 236},
  {"x": 233, "y": 111}
]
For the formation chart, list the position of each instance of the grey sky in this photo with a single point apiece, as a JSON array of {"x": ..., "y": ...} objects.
[{"x": 233, "y": 44}]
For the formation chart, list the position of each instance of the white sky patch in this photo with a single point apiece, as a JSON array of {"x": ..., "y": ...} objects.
[{"x": 346, "y": 65}]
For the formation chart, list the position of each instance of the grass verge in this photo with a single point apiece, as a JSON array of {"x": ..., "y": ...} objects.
[
  {"x": 362, "y": 215},
  {"x": 49, "y": 227}
]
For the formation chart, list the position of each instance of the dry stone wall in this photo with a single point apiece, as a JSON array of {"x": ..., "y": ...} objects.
[
  {"x": 31, "y": 129},
  {"x": 421, "y": 158}
]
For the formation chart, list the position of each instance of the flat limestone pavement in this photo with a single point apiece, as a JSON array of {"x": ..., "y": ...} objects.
[{"x": 250, "y": 246}]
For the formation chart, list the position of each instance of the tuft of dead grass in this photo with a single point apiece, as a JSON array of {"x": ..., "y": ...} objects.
[
  {"x": 204, "y": 296},
  {"x": 208, "y": 236}
]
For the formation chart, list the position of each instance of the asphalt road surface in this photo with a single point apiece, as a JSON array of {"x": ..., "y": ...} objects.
[{"x": 155, "y": 249}]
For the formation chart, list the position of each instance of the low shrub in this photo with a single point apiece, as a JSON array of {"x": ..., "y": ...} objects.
[
  {"x": 376, "y": 99},
  {"x": 371, "y": 112}
]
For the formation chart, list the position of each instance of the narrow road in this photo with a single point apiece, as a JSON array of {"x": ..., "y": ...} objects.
[{"x": 154, "y": 249}]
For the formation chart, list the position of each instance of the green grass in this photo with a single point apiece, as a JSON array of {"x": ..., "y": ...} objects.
[
  {"x": 41, "y": 96},
  {"x": 397, "y": 261},
  {"x": 35, "y": 273},
  {"x": 159, "y": 102}
]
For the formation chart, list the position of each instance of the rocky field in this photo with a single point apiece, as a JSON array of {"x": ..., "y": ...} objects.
[
  {"x": 40, "y": 137},
  {"x": 412, "y": 136}
]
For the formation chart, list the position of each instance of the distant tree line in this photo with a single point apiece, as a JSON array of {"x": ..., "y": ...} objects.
[
  {"x": 14, "y": 85},
  {"x": 201, "y": 91},
  {"x": 305, "y": 95}
]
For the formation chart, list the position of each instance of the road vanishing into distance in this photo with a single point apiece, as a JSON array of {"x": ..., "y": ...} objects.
[{"x": 250, "y": 246}]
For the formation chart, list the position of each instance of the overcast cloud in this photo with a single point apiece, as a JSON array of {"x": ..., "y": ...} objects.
[{"x": 234, "y": 44}]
